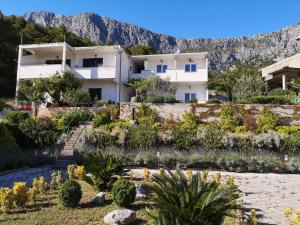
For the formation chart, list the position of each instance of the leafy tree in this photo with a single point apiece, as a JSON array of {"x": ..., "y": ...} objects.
[
  {"x": 295, "y": 83},
  {"x": 140, "y": 50},
  {"x": 178, "y": 200}
]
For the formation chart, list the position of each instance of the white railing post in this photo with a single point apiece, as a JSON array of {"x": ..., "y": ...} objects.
[
  {"x": 64, "y": 57},
  {"x": 18, "y": 74}
]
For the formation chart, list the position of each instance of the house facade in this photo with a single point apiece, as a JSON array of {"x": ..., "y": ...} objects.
[
  {"x": 105, "y": 70},
  {"x": 281, "y": 73}
]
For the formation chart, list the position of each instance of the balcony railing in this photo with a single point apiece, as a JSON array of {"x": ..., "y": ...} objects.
[
  {"x": 176, "y": 75},
  {"x": 44, "y": 70}
]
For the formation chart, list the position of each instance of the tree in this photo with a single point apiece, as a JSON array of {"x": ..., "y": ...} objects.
[
  {"x": 295, "y": 83},
  {"x": 140, "y": 50}
]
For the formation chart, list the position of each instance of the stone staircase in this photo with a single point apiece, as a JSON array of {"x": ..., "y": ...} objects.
[{"x": 74, "y": 140}]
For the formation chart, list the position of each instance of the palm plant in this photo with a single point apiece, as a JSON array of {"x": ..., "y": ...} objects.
[
  {"x": 295, "y": 83},
  {"x": 101, "y": 167},
  {"x": 196, "y": 202}
]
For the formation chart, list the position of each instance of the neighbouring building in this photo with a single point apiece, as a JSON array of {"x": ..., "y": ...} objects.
[
  {"x": 105, "y": 70},
  {"x": 282, "y": 72}
]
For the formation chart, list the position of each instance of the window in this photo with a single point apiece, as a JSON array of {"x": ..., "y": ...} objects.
[
  {"x": 189, "y": 96},
  {"x": 187, "y": 68},
  {"x": 190, "y": 68},
  {"x": 161, "y": 68},
  {"x": 92, "y": 62},
  {"x": 158, "y": 68},
  {"x": 193, "y": 67},
  {"x": 57, "y": 61},
  {"x": 95, "y": 93}
]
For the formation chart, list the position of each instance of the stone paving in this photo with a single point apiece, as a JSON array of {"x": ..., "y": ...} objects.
[{"x": 26, "y": 175}]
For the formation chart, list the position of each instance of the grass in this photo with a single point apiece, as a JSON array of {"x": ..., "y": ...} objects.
[{"x": 48, "y": 211}]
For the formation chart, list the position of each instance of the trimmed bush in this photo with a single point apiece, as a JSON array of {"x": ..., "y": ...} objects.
[
  {"x": 292, "y": 143},
  {"x": 281, "y": 92},
  {"x": 211, "y": 136},
  {"x": 183, "y": 138},
  {"x": 17, "y": 117},
  {"x": 229, "y": 118},
  {"x": 280, "y": 100},
  {"x": 146, "y": 115},
  {"x": 70, "y": 194},
  {"x": 7, "y": 198},
  {"x": 161, "y": 99},
  {"x": 142, "y": 136},
  {"x": 214, "y": 101},
  {"x": 123, "y": 193}
]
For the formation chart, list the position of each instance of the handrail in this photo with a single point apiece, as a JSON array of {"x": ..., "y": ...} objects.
[
  {"x": 67, "y": 127},
  {"x": 84, "y": 127}
]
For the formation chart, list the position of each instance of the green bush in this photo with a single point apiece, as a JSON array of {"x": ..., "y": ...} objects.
[
  {"x": 70, "y": 193},
  {"x": 281, "y": 92},
  {"x": 183, "y": 138},
  {"x": 229, "y": 118},
  {"x": 146, "y": 115},
  {"x": 189, "y": 120},
  {"x": 77, "y": 98},
  {"x": 214, "y": 101},
  {"x": 10, "y": 153},
  {"x": 287, "y": 129},
  {"x": 160, "y": 99},
  {"x": 292, "y": 143},
  {"x": 102, "y": 118},
  {"x": 17, "y": 117},
  {"x": 100, "y": 138},
  {"x": 281, "y": 100},
  {"x": 123, "y": 193},
  {"x": 211, "y": 136},
  {"x": 40, "y": 131},
  {"x": 267, "y": 120},
  {"x": 142, "y": 136}
]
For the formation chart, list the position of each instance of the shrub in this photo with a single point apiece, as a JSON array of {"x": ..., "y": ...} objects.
[
  {"x": 40, "y": 131},
  {"x": 281, "y": 92},
  {"x": 160, "y": 99},
  {"x": 20, "y": 190},
  {"x": 70, "y": 193},
  {"x": 143, "y": 158},
  {"x": 211, "y": 136},
  {"x": 292, "y": 143},
  {"x": 281, "y": 100},
  {"x": 123, "y": 193},
  {"x": 10, "y": 153},
  {"x": 102, "y": 168},
  {"x": 100, "y": 138},
  {"x": 229, "y": 118},
  {"x": 189, "y": 120},
  {"x": 191, "y": 202},
  {"x": 287, "y": 129},
  {"x": 32, "y": 194},
  {"x": 249, "y": 122},
  {"x": 102, "y": 118},
  {"x": 146, "y": 115},
  {"x": 183, "y": 138},
  {"x": 268, "y": 120},
  {"x": 266, "y": 141},
  {"x": 71, "y": 171},
  {"x": 7, "y": 198},
  {"x": 142, "y": 136},
  {"x": 80, "y": 172},
  {"x": 76, "y": 97},
  {"x": 16, "y": 117}
]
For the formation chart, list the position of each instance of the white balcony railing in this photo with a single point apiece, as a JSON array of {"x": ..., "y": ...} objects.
[
  {"x": 176, "y": 75},
  {"x": 38, "y": 71}
]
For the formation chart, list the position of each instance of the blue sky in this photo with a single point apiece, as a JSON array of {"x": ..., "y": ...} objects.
[{"x": 181, "y": 18}]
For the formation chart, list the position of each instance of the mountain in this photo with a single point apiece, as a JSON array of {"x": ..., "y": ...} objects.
[{"x": 254, "y": 50}]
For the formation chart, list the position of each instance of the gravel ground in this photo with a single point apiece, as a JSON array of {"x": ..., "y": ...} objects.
[{"x": 267, "y": 193}]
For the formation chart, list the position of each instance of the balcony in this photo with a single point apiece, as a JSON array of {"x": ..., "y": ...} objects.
[
  {"x": 44, "y": 70},
  {"x": 176, "y": 75},
  {"x": 104, "y": 72},
  {"x": 38, "y": 71}
]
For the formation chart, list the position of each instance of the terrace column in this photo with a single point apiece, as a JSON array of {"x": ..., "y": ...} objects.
[
  {"x": 284, "y": 83},
  {"x": 175, "y": 68},
  {"x": 64, "y": 57},
  {"x": 18, "y": 75}
]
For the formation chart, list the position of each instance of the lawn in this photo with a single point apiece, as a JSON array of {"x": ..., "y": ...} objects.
[{"x": 48, "y": 211}]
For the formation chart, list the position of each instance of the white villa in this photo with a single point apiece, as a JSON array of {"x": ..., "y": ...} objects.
[{"x": 104, "y": 70}]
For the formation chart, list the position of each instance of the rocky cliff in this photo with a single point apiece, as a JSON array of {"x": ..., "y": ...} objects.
[{"x": 255, "y": 50}]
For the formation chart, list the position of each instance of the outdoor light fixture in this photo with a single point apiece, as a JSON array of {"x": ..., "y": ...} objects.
[{"x": 286, "y": 158}]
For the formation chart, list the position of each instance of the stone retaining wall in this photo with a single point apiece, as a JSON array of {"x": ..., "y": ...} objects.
[{"x": 289, "y": 114}]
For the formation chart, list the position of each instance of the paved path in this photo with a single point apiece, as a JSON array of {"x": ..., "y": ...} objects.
[
  {"x": 26, "y": 175},
  {"x": 268, "y": 193}
]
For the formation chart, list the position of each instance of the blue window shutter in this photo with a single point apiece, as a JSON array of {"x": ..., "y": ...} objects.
[
  {"x": 158, "y": 68},
  {"x": 194, "y": 68},
  {"x": 165, "y": 67},
  {"x": 193, "y": 96},
  {"x": 187, "y": 97},
  {"x": 187, "y": 68}
]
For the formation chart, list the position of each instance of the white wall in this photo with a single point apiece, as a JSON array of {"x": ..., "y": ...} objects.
[
  {"x": 109, "y": 88},
  {"x": 199, "y": 89}
]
